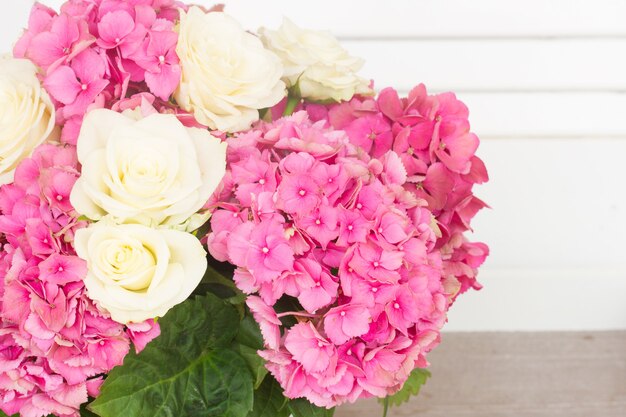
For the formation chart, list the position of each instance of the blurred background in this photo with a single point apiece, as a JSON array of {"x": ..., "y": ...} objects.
[
  {"x": 545, "y": 82},
  {"x": 546, "y": 86}
]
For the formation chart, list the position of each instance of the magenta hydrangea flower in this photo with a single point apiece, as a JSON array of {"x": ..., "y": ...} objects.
[{"x": 352, "y": 215}]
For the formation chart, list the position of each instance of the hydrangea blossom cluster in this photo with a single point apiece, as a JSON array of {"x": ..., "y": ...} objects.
[
  {"x": 431, "y": 134},
  {"x": 96, "y": 52},
  {"x": 346, "y": 226},
  {"x": 54, "y": 342}
]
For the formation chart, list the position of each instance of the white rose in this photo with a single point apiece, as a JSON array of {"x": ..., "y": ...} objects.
[
  {"x": 136, "y": 272},
  {"x": 153, "y": 171},
  {"x": 316, "y": 62},
  {"x": 227, "y": 73},
  {"x": 26, "y": 114}
]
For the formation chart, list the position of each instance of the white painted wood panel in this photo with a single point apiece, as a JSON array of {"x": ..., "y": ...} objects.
[
  {"x": 520, "y": 115},
  {"x": 419, "y": 18},
  {"x": 557, "y": 203},
  {"x": 496, "y": 64},
  {"x": 441, "y": 18},
  {"x": 543, "y": 299}
]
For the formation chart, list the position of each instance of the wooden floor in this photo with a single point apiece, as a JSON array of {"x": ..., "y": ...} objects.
[{"x": 519, "y": 375}]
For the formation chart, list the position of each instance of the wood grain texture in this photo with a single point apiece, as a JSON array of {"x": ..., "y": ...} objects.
[{"x": 519, "y": 375}]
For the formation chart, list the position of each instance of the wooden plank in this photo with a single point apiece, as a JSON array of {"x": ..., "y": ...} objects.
[
  {"x": 557, "y": 203},
  {"x": 519, "y": 374},
  {"x": 441, "y": 18},
  {"x": 496, "y": 64},
  {"x": 546, "y": 115}
]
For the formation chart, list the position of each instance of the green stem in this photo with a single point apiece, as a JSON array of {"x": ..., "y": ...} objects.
[
  {"x": 292, "y": 103},
  {"x": 385, "y": 406}
]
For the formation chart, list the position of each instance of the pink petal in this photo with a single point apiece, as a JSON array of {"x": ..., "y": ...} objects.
[
  {"x": 66, "y": 29},
  {"x": 45, "y": 48},
  {"x": 390, "y": 103},
  {"x": 85, "y": 98},
  {"x": 164, "y": 83},
  {"x": 89, "y": 66},
  {"x": 62, "y": 85},
  {"x": 114, "y": 26}
]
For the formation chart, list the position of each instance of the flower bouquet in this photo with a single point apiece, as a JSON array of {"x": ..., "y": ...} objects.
[{"x": 197, "y": 220}]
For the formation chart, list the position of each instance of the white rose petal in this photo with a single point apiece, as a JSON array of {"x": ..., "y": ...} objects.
[
  {"x": 136, "y": 272},
  {"x": 227, "y": 74},
  {"x": 152, "y": 171},
  {"x": 27, "y": 116},
  {"x": 316, "y": 62}
]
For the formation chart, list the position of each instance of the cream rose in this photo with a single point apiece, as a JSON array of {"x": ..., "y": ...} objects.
[
  {"x": 26, "y": 114},
  {"x": 316, "y": 62},
  {"x": 136, "y": 272},
  {"x": 153, "y": 171},
  {"x": 227, "y": 73}
]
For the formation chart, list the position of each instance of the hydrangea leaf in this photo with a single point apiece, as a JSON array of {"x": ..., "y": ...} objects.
[
  {"x": 84, "y": 412},
  {"x": 269, "y": 400},
  {"x": 303, "y": 408},
  {"x": 249, "y": 340},
  {"x": 188, "y": 371},
  {"x": 410, "y": 388}
]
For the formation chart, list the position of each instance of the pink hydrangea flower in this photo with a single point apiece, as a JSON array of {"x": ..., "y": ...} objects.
[
  {"x": 355, "y": 212},
  {"x": 54, "y": 342},
  {"x": 93, "y": 53}
]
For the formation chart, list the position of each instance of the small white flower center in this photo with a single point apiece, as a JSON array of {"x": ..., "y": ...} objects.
[
  {"x": 302, "y": 193},
  {"x": 265, "y": 249},
  {"x": 396, "y": 306}
]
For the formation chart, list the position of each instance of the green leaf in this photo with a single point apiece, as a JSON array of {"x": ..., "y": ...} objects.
[
  {"x": 2, "y": 414},
  {"x": 249, "y": 340},
  {"x": 269, "y": 400},
  {"x": 84, "y": 412},
  {"x": 188, "y": 371},
  {"x": 216, "y": 281},
  {"x": 303, "y": 408},
  {"x": 411, "y": 387}
]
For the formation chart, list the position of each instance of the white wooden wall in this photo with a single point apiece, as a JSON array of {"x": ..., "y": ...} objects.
[{"x": 546, "y": 85}]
